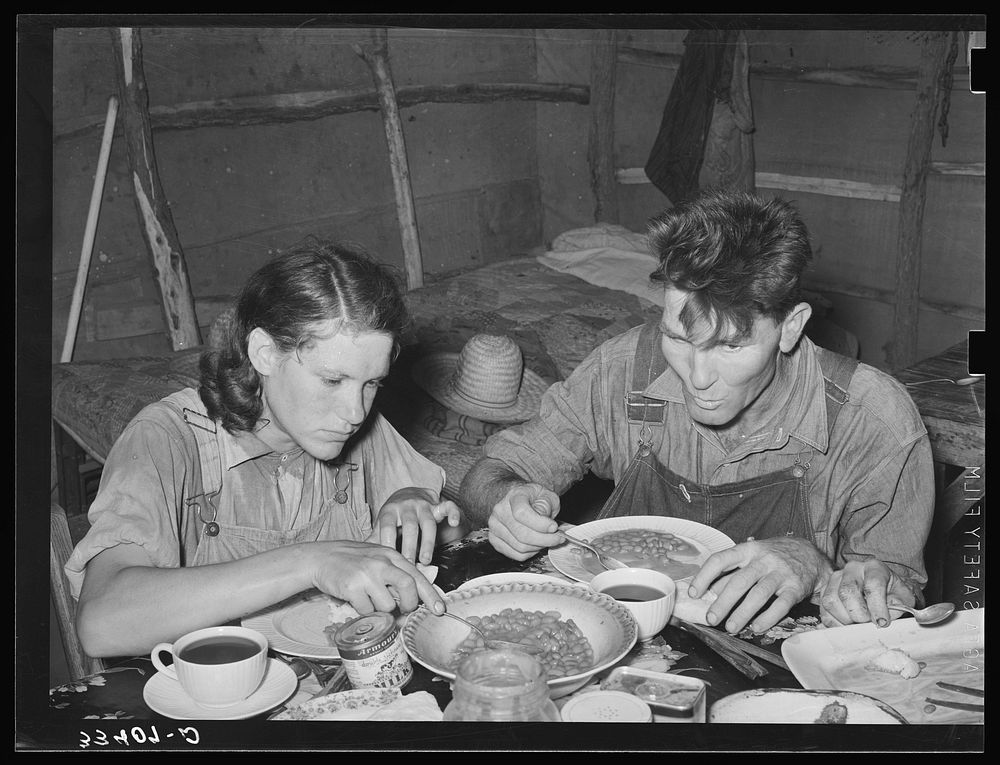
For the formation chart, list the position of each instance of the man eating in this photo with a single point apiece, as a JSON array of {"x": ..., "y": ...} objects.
[{"x": 725, "y": 413}]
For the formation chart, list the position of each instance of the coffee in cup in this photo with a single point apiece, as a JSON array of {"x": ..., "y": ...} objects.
[
  {"x": 647, "y": 594},
  {"x": 216, "y": 666}
]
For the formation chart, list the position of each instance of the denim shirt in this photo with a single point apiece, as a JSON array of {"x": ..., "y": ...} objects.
[
  {"x": 267, "y": 498},
  {"x": 871, "y": 482}
]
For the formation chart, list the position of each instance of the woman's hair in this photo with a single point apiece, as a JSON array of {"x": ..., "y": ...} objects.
[
  {"x": 738, "y": 255},
  {"x": 311, "y": 283}
]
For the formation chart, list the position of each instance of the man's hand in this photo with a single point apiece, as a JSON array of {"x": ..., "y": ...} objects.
[
  {"x": 522, "y": 523},
  {"x": 417, "y": 513},
  {"x": 860, "y": 592},
  {"x": 787, "y": 568},
  {"x": 372, "y": 577}
]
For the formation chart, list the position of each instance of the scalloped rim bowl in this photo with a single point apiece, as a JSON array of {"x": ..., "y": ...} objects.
[
  {"x": 522, "y": 576},
  {"x": 431, "y": 640}
]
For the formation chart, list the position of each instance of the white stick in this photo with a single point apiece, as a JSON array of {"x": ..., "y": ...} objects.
[{"x": 91, "y": 230}]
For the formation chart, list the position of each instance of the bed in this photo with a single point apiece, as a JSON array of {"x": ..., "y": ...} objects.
[{"x": 589, "y": 285}]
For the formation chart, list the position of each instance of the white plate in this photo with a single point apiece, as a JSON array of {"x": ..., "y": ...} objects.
[
  {"x": 163, "y": 694},
  {"x": 295, "y": 626},
  {"x": 346, "y": 705},
  {"x": 522, "y": 576},
  {"x": 953, "y": 651},
  {"x": 569, "y": 560},
  {"x": 786, "y": 705}
]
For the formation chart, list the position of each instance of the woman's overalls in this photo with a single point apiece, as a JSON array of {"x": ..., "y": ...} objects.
[
  {"x": 220, "y": 537},
  {"x": 775, "y": 504}
]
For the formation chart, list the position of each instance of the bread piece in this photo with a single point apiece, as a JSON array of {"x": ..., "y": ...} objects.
[{"x": 894, "y": 661}]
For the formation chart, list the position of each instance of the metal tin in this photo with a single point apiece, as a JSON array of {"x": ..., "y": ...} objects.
[
  {"x": 673, "y": 698},
  {"x": 372, "y": 652},
  {"x": 606, "y": 706}
]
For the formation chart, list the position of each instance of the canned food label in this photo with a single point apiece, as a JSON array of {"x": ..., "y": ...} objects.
[{"x": 378, "y": 662}]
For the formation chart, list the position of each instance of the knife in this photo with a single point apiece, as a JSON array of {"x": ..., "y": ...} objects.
[
  {"x": 743, "y": 645},
  {"x": 722, "y": 643}
]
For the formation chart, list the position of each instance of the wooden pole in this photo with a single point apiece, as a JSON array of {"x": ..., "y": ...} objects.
[
  {"x": 162, "y": 241},
  {"x": 282, "y": 108},
  {"x": 90, "y": 231},
  {"x": 901, "y": 350},
  {"x": 601, "y": 140},
  {"x": 376, "y": 56}
]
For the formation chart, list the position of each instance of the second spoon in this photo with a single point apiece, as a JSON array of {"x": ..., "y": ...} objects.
[
  {"x": 491, "y": 642},
  {"x": 930, "y": 615}
]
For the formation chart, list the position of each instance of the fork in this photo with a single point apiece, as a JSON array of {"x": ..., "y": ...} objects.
[
  {"x": 958, "y": 704},
  {"x": 961, "y": 689}
]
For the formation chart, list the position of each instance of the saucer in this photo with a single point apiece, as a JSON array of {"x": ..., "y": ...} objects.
[{"x": 163, "y": 694}]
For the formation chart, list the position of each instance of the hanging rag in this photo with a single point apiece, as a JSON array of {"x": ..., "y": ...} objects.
[
  {"x": 678, "y": 151},
  {"x": 729, "y": 159}
]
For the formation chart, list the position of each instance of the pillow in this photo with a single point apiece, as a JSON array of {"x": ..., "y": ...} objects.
[
  {"x": 617, "y": 269},
  {"x": 600, "y": 235}
]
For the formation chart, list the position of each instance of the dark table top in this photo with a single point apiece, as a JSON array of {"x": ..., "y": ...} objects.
[
  {"x": 955, "y": 415},
  {"x": 117, "y": 693}
]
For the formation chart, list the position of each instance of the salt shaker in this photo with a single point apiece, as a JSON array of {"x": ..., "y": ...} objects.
[{"x": 501, "y": 685}]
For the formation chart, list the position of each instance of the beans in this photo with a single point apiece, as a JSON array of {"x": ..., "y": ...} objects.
[
  {"x": 642, "y": 544},
  {"x": 564, "y": 648}
]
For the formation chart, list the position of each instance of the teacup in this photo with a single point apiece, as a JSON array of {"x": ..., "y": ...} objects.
[
  {"x": 216, "y": 666},
  {"x": 648, "y": 595}
]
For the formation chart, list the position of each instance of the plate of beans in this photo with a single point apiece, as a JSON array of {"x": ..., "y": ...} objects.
[
  {"x": 578, "y": 633},
  {"x": 674, "y": 546}
]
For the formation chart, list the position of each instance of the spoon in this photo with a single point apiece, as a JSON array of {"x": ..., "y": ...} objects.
[
  {"x": 496, "y": 644},
  {"x": 930, "y": 615},
  {"x": 541, "y": 506},
  {"x": 603, "y": 558}
]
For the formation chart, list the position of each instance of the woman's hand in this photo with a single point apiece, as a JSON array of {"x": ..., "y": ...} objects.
[
  {"x": 372, "y": 577},
  {"x": 789, "y": 569},
  {"x": 417, "y": 513},
  {"x": 860, "y": 592},
  {"x": 523, "y": 522}
]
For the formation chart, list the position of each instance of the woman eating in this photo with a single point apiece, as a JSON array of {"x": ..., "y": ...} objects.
[{"x": 274, "y": 476}]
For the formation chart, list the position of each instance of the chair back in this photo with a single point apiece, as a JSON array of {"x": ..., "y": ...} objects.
[{"x": 60, "y": 547}]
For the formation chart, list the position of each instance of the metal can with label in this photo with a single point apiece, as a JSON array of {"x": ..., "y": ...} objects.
[{"x": 372, "y": 651}]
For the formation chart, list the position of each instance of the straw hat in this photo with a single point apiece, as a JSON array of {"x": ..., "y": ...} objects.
[{"x": 487, "y": 380}]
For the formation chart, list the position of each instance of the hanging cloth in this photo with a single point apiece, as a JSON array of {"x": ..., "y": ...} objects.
[
  {"x": 678, "y": 151},
  {"x": 729, "y": 160}
]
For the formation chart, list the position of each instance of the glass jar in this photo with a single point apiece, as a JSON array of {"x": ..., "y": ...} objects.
[{"x": 501, "y": 685}]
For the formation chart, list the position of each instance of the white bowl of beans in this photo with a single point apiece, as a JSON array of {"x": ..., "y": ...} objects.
[{"x": 579, "y": 632}]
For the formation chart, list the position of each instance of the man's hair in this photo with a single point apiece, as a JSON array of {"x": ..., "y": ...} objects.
[
  {"x": 309, "y": 284},
  {"x": 738, "y": 255}
]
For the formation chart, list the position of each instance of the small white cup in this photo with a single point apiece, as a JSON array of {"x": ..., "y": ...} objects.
[
  {"x": 216, "y": 666},
  {"x": 631, "y": 586}
]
